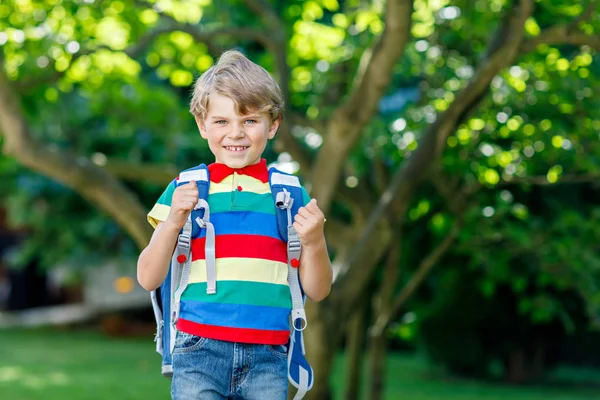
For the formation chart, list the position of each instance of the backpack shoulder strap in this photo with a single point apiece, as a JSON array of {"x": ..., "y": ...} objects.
[
  {"x": 287, "y": 195},
  {"x": 182, "y": 257},
  {"x": 165, "y": 301},
  {"x": 286, "y": 183},
  {"x": 199, "y": 174}
]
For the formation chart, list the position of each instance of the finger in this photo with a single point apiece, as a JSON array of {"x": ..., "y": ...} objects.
[
  {"x": 300, "y": 220},
  {"x": 298, "y": 227},
  {"x": 188, "y": 185},
  {"x": 304, "y": 212},
  {"x": 312, "y": 206},
  {"x": 184, "y": 200},
  {"x": 317, "y": 214},
  {"x": 187, "y": 205},
  {"x": 190, "y": 197},
  {"x": 187, "y": 191}
]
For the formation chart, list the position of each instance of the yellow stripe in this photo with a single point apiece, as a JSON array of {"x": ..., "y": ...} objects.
[
  {"x": 247, "y": 183},
  {"x": 159, "y": 213},
  {"x": 242, "y": 269}
]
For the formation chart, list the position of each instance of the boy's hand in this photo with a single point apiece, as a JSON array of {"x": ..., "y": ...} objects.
[
  {"x": 309, "y": 224},
  {"x": 183, "y": 202}
]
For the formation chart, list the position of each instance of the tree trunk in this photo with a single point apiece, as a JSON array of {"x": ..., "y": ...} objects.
[
  {"x": 355, "y": 352},
  {"x": 321, "y": 340},
  {"x": 377, "y": 370},
  {"x": 515, "y": 371},
  {"x": 382, "y": 305}
]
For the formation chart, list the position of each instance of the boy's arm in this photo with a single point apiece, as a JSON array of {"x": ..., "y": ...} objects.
[
  {"x": 315, "y": 271},
  {"x": 153, "y": 263},
  {"x": 168, "y": 216},
  {"x": 315, "y": 265}
]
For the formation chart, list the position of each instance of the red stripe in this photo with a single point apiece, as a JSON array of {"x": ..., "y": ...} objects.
[
  {"x": 239, "y": 335},
  {"x": 243, "y": 246}
]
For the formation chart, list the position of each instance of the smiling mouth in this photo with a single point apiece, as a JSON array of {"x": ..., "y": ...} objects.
[{"x": 236, "y": 148}]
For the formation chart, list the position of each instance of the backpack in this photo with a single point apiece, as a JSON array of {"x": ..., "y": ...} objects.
[{"x": 287, "y": 196}]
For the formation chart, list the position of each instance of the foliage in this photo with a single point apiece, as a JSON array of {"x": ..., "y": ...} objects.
[{"x": 110, "y": 81}]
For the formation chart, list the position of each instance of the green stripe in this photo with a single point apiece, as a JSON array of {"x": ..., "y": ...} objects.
[
  {"x": 305, "y": 196},
  {"x": 167, "y": 196},
  {"x": 221, "y": 202},
  {"x": 241, "y": 292}
]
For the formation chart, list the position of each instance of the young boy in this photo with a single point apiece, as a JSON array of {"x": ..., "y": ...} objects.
[{"x": 232, "y": 344}]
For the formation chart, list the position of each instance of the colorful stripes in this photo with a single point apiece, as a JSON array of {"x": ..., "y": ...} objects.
[
  {"x": 244, "y": 200},
  {"x": 257, "y": 336},
  {"x": 247, "y": 183},
  {"x": 243, "y": 222},
  {"x": 236, "y": 315},
  {"x": 237, "y": 292},
  {"x": 253, "y": 302},
  {"x": 242, "y": 269},
  {"x": 243, "y": 246}
]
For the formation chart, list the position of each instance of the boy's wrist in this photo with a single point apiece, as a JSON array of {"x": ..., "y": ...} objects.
[
  {"x": 316, "y": 245},
  {"x": 171, "y": 226}
]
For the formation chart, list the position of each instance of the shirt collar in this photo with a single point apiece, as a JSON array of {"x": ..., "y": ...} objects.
[{"x": 259, "y": 171}]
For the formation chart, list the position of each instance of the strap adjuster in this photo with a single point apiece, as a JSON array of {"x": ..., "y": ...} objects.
[
  {"x": 293, "y": 246},
  {"x": 184, "y": 240},
  {"x": 284, "y": 200}
]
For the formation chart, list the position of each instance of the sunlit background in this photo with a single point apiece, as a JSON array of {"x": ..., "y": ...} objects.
[{"x": 454, "y": 146}]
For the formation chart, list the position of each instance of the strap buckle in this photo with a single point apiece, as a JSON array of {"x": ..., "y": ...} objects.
[
  {"x": 175, "y": 314},
  {"x": 299, "y": 314}
]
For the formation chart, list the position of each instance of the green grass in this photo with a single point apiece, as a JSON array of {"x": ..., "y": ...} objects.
[{"x": 49, "y": 365}]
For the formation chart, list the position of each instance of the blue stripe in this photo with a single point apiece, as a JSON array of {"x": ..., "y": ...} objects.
[
  {"x": 236, "y": 315},
  {"x": 240, "y": 223}
]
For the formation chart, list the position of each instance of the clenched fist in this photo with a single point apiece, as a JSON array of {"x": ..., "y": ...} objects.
[
  {"x": 183, "y": 202},
  {"x": 309, "y": 224}
]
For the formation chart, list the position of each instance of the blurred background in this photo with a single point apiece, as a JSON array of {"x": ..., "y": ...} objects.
[{"x": 454, "y": 146}]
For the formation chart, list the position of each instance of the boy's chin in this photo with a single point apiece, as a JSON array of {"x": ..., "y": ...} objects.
[{"x": 236, "y": 164}]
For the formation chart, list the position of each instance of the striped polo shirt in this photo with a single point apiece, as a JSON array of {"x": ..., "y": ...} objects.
[{"x": 253, "y": 301}]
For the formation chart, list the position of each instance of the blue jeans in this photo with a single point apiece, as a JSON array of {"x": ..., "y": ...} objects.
[{"x": 207, "y": 369}]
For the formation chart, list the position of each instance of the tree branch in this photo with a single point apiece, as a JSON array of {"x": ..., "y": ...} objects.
[
  {"x": 566, "y": 33},
  {"x": 301, "y": 120},
  {"x": 348, "y": 121},
  {"x": 267, "y": 14},
  {"x": 561, "y": 34},
  {"x": 92, "y": 182},
  {"x": 417, "y": 278},
  {"x": 159, "y": 174},
  {"x": 276, "y": 43},
  {"x": 543, "y": 180},
  {"x": 412, "y": 172}
]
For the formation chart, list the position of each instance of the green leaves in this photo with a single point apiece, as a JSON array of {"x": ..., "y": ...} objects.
[{"x": 111, "y": 80}]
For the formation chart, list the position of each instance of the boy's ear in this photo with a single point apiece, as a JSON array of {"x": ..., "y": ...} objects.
[
  {"x": 201, "y": 126},
  {"x": 274, "y": 127}
]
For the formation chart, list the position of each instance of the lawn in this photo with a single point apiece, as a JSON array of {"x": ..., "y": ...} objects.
[{"x": 87, "y": 366}]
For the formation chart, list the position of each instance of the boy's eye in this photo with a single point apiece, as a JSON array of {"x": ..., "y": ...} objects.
[
  {"x": 251, "y": 121},
  {"x": 220, "y": 122}
]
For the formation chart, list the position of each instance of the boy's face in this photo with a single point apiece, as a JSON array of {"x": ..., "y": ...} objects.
[{"x": 235, "y": 140}]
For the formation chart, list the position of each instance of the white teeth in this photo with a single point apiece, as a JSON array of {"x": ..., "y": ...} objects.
[{"x": 236, "y": 148}]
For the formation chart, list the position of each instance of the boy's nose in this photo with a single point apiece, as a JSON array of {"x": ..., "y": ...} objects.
[{"x": 237, "y": 131}]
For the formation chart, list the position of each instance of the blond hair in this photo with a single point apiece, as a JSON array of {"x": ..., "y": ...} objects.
[{"x": 249, "y": 85}]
